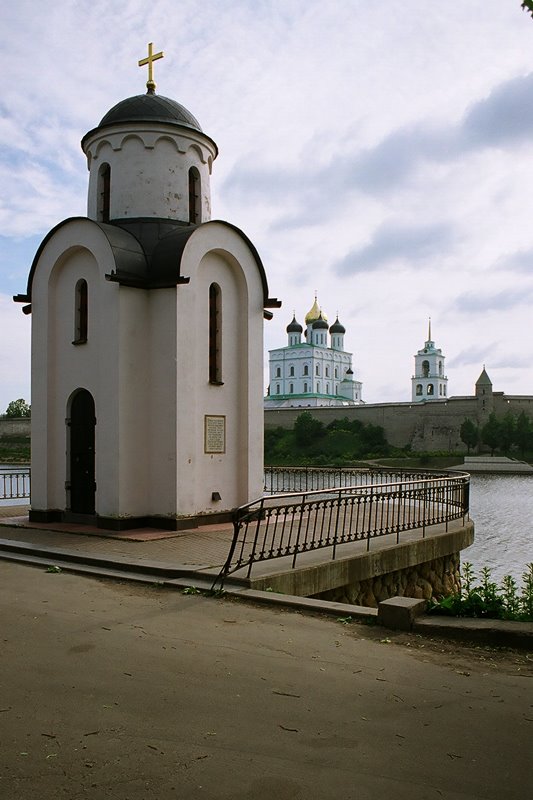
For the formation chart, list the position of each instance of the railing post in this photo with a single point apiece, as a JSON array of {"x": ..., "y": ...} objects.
[
  {"x": 297, "y": 543},
  {"x": 400, "y": 508},
  {"x": 424, "y": 494},
  {"x": 336, "y": 524}
]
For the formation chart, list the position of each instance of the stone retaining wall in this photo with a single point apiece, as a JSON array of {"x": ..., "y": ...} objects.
[
  {"x": 419, "y": 567},
  {"x": 437, "y": 578},
  {"x": 15, "y": 427}
]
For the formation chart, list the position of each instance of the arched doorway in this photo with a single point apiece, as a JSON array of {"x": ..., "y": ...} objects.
[{"x": 81, "y": 453}]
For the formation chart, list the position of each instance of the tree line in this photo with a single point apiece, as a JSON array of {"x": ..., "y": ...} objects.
[
  {"x": 311, "y": 442},
  {"x": 504, "y": 433},
  {"x": 17, "y": 408}
]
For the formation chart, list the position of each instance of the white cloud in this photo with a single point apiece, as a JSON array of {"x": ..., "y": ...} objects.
[{"x": 376, "y": 152}]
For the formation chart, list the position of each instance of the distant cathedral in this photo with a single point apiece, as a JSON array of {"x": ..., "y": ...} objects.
[
  {"x": 429, "y": 381},
  {"x": 315, "y": 371}
]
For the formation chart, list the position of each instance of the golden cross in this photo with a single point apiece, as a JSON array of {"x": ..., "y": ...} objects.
[{"x": 150, "y": 83}]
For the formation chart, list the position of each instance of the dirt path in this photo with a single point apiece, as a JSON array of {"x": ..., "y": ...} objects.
[{"x": 116, "y": 691}]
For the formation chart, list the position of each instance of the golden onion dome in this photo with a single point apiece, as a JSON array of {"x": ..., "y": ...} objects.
[{"x": 314, "y": 314}]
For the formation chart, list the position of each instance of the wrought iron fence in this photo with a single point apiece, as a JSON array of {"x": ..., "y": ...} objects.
[
  {"x": 14, "y": 483},
  {"x": 280, "y": 480},
  {"x": 379, "y": 504}
]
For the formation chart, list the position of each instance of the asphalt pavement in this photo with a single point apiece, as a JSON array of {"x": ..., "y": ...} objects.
[{"x": 123, "y": 691}]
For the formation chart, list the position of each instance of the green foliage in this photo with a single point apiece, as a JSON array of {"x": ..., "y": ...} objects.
[
  {"x": 491, "y": 432},
  {"x": 469, "y": 433},
  {"x": 310, "y": 443},
  {"x": 523, "y": 433},
  {"x": 526, "y": 596},
  {"x": 14, "y": 450},
  {"x": 507, "y": 432},
  {"x": 527, "y": 5},
  {"x": 18, "y": 408},
  {"x": 307, "y": 429},
  {"x": 486, "y": 600}
]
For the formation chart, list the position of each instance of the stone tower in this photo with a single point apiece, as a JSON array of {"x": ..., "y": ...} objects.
[{"x": 484, "y": 394}]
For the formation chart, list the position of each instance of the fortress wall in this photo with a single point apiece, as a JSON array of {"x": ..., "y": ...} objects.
[
  {"x": 427, "y": 426},
  {"x": 15, "y": 427}
]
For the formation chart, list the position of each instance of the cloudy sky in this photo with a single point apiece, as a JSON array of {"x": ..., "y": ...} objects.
[{"x": 377, "y": 152}]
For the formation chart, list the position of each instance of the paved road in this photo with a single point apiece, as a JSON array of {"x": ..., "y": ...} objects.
[{"x": 115, "y": 691}]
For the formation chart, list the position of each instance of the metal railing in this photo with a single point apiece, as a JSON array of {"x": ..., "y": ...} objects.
[
  {"x": 280, "y": 480},
  {"x": 14, "y": 483},
  {"x": 379, "y": 504}
]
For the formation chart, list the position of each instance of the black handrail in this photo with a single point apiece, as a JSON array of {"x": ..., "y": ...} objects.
[{"x": 382, "y": 502}]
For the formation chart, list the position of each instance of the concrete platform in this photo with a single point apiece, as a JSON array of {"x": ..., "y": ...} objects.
[{"x": 499, "y": 465}]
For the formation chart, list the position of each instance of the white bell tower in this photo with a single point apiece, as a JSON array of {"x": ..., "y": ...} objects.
[{"x": 429, "y": 381}]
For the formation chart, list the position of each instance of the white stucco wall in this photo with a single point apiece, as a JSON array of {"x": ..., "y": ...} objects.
[
  {"x": 60, "y": 367},
  {"x": 216, "y": 254},
  {"x": 146, "y": 364},
  {"x": 149, "y": 170}
]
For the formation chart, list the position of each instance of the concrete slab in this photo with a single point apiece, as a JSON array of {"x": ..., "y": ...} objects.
[{"x": 399, "y": 613}]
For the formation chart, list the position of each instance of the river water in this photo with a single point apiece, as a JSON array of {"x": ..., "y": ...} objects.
[{"x": 502, "y": 509}]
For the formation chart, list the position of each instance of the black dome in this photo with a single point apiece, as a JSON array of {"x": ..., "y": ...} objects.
[
  {"x": 337, "y": 327},
  {"x": 294, "y": 327},
  {"x": 150, "y": 108},
  {"x": 320, "y": 323}
]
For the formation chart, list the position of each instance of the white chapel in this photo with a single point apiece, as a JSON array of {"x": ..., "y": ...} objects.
[
  {"x": 316, "y": 371},
  {"x": 429, "y": 381},
  {"x": 147, "y": 335}
]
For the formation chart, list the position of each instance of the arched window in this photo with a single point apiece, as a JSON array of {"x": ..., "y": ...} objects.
[
  {"x": 278, "y": 372},
  {"x": 306, "y": 369},
  {"x": 425, "y": 369},
  {"x": 291, "y": 388},
  {"x": 440, "y": 368},
  {"x": 336, "y": 372},
  {"x": 318, "y": 387},
  {"x": 317, "y": 369},
  {"x": 291, "y": 372},
  {"x": 418, "y": 389},
  {"x": 80, "y": 312},
  {"x": 305, "y": 387},
  {"x": 327, "y": 388},
  {"x": 440, "y": 388},
  {"x": 327, "y": 372},
  {"x": 195, "y": 215},
  {"x": 277, "y": 388},
  {"x": 445, "y": 390},
  {"x": 104, "y": 193},
  {"x": 430, "y": 388},
  {"x": 215, "y": 335}
]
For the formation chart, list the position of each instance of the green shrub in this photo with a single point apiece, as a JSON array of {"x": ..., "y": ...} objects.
[{"x": 486, "y": 600}]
